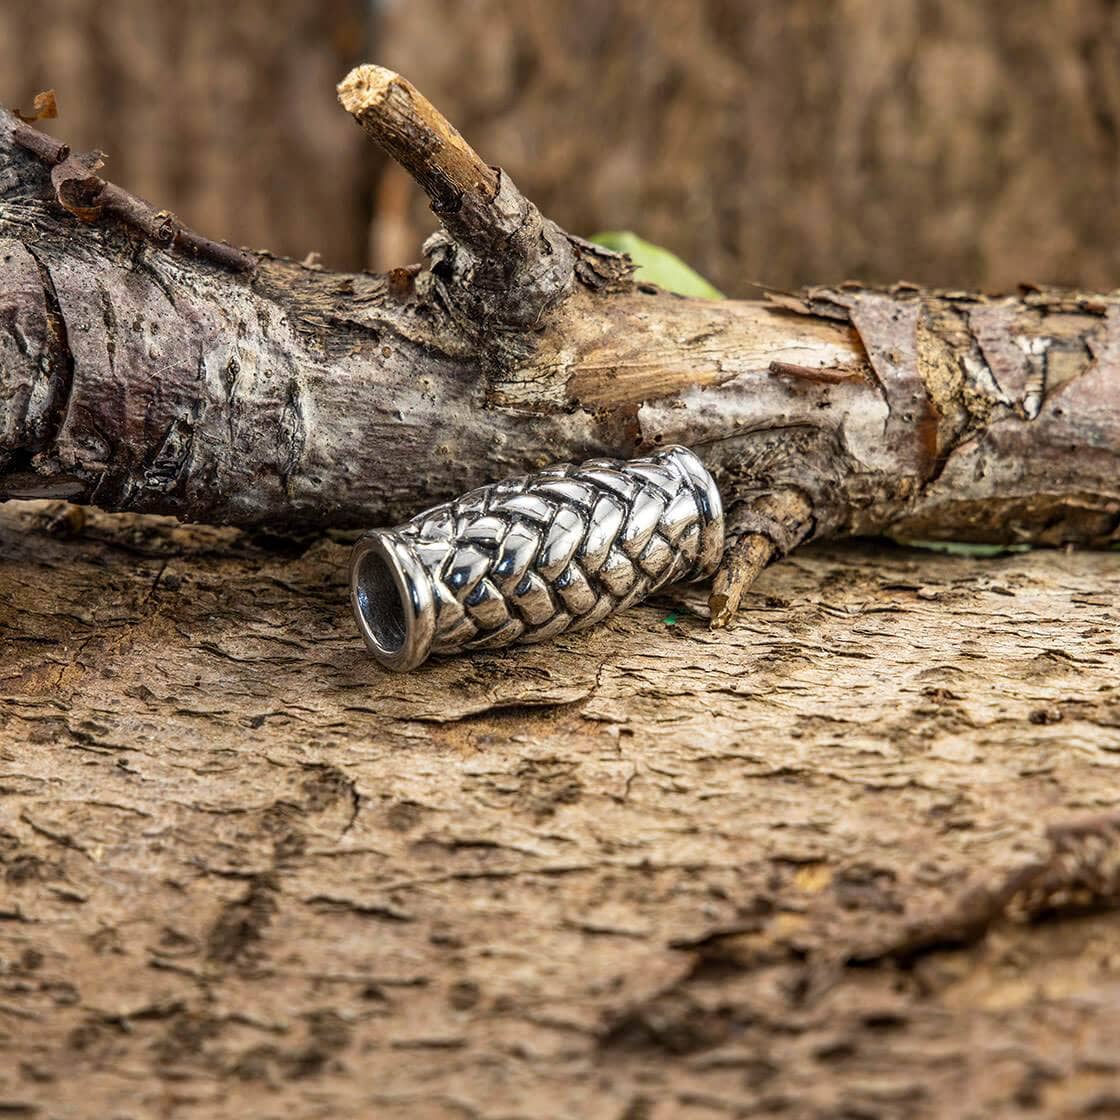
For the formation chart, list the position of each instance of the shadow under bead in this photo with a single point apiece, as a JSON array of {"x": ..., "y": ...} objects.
[{"x": 529, "y": 558}]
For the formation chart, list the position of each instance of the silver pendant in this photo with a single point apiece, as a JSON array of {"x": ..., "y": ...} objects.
[{"x": 532, "y": 557}]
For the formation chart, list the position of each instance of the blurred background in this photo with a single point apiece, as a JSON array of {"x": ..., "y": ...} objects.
[{"x": 960, "y": 143}]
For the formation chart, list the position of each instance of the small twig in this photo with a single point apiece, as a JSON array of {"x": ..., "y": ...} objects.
[
  {"x": 46, "y": 148},
  {"x": 742, "y": 564},
  {"x": 417, "y": 135},
  {"x": 82, "y": 192},
  {"x": 769, "y": 527},
  {"x": 499, "y": 264}
]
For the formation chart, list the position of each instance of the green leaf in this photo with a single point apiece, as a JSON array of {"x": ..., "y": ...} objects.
[
  {"x": 658, "y": 266},
  {"x": 965, "y": 548}
]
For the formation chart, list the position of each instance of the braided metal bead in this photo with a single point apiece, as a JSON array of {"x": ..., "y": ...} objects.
[{"x": 526, "y": 559}]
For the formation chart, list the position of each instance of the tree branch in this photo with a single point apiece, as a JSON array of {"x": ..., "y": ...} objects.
[
  {"x": 81, "y": 192},
  {"x": 414, "y": 133},
  {"x": 499, "y": 265},
  {"x": 236, "y": 388}
]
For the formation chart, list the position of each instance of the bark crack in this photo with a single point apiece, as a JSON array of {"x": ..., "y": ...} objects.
[{"x": 62, "y": 360}]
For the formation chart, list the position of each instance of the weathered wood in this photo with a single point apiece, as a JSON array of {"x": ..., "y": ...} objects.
[
  {"x": 796, "y": 867},
  {"x": 853, "y": 857},
  {"x": 417, "y": 135},
  {"x": 141, "y": 379}
]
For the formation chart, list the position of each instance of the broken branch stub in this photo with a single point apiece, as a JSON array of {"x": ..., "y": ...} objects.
[
  {"x": 417, "y": 135},
  {"x": 499, "y": 265}
]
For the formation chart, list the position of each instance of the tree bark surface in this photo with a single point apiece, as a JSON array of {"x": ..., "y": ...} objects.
[{"x": 799, "y": 867}]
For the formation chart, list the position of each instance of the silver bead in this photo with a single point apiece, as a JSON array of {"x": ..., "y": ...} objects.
[{"x": 527, "y": 559}]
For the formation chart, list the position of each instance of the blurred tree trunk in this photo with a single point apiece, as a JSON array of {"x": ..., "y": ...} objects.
[
  {"x": 225, "y": 113},
  {"x": 789, "y": 141}
]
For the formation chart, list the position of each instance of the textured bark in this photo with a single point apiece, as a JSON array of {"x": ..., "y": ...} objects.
[
  {"x": 854, "y": 856},
  {"x": 141, "y": 377},
  {"x": 799, "y": 867}
]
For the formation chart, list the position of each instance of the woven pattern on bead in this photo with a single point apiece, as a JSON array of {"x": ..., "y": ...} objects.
[{"x": 525, "y": 559}]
